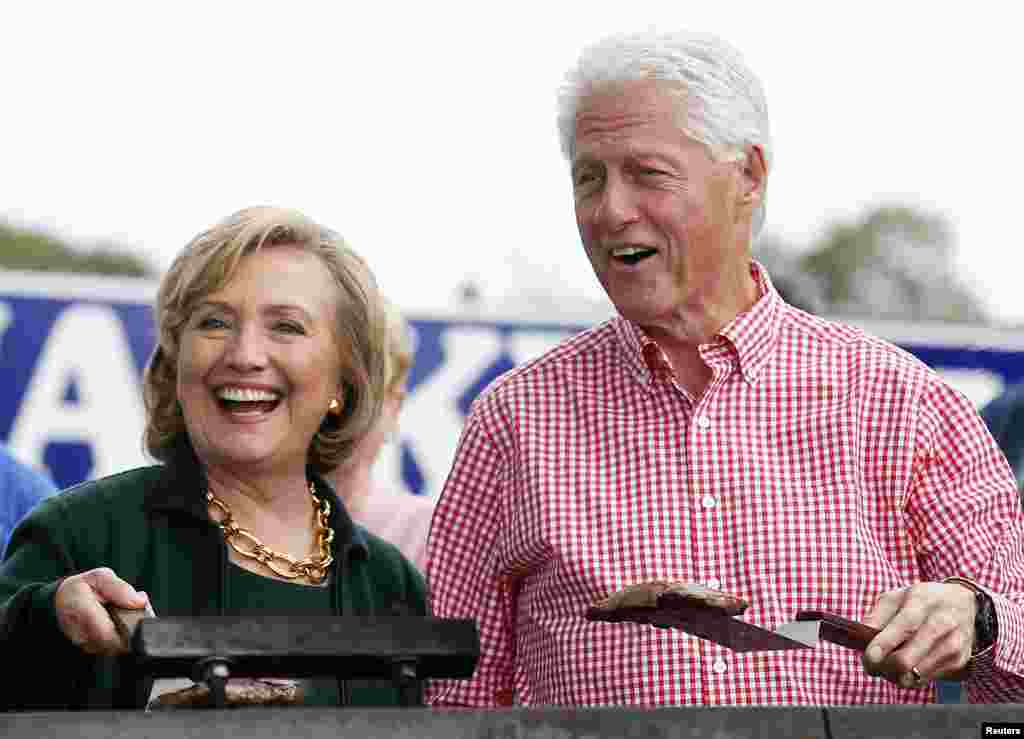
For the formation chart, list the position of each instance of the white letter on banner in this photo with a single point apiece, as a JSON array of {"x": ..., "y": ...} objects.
[
  {"x": 5, "y": 319},
  {"x": 87, "y": 346},
  {"x": 431, "y": 422}
]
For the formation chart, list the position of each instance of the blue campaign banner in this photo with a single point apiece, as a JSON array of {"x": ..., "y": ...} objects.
[
  {"x": 71, "y": 357},
  {"x": 73, "y": 348}
]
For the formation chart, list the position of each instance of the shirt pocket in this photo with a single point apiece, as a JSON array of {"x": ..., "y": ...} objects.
[{"x": 823, "y": 553}]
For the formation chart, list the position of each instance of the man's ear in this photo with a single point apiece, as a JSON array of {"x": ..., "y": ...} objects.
[{"x": 755, "y": 176}]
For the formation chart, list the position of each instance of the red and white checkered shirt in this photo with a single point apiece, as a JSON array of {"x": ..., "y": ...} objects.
[{"x": 820, "y": 467}]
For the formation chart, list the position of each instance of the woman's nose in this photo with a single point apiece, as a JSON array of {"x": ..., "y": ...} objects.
[{"x": 247, "y": 350}]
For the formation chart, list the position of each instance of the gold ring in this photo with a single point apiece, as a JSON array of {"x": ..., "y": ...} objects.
[{"x": 918, "y": 677}]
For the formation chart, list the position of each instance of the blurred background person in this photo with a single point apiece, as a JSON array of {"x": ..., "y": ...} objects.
[
  {"x": 268, "y": 369},
  {"x": 394, "y": 515},
  {"x": 1004, "y": 415},
  {"x": 21, "y": 487}
]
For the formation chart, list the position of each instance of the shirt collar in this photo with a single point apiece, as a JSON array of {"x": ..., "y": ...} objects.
[
  {"x": 754, "y": 333},
  {"x": 751, "y": 336},
  {"x": 182, "y": 482}
]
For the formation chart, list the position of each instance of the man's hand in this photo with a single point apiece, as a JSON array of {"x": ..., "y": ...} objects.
[
  {"x": 81, "y": 611},
  {"x": 927, "y": 633}
]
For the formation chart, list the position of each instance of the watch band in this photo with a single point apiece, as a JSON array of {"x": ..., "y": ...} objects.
[{"x": 985, "y": 625}]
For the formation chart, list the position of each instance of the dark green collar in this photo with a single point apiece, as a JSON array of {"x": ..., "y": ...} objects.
[{"x": 180, "y": 485}]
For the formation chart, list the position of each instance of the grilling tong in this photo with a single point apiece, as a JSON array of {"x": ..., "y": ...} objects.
[{"x": 711, "y": 614}]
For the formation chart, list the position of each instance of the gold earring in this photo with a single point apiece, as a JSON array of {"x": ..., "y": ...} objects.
[{"x": 334, "y": 407}]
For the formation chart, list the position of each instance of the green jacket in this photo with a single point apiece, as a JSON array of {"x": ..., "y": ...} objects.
[{"x": 150, "y": 525}]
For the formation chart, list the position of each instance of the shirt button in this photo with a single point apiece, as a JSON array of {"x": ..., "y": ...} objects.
[
  {"x": 709, "y": 501},
  {"x": 719, "y": 666},
  {"x": 703, "y": 421},
  {"x": 713, "y": 583}
]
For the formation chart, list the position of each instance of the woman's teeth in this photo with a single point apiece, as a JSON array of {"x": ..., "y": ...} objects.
[
  {"x": 244, "y": 395},
  {"x": 247, "y": 400}
]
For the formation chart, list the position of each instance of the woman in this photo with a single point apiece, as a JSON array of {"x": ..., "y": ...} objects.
[
  {"x": 268, "y": 370},
  {"x": 394, "y": 515}
]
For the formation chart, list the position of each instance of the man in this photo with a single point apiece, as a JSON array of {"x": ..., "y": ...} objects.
[
  {"x": 20, "y": 489},
  {"x": 713, "y": 434}
]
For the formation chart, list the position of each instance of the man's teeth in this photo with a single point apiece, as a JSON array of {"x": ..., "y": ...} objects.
[
  {"x": 622, "y": 252},
  {"x": 632, "y": 255},
  {"x": 245, "y": 395}
]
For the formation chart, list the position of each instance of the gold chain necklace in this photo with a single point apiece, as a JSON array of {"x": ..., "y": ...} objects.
[{"x": 314, "y": 570}]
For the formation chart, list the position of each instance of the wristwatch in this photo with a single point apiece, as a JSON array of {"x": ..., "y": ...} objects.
[{"x": 985, "y": 627}]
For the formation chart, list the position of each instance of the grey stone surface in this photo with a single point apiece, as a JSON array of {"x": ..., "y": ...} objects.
[
  {"x": 918, "y": 722},
  {"x": 668, "y": 723},
  {"x": 876, "y": 722}
]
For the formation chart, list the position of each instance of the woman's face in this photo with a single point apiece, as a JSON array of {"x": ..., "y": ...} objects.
[{"x": 259, "y": 363}]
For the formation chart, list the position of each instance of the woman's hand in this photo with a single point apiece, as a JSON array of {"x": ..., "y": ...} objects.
[{"x": 81, "y": 611}]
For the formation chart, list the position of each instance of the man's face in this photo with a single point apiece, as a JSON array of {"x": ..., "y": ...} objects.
[{"x": 665, "y": 226}]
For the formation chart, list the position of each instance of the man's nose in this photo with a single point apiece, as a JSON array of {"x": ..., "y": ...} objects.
[
  {"x": 616, "y": 206},
  {"x": 247, "y": 350}
]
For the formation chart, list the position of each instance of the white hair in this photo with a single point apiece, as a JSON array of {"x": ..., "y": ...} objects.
[{"x": 724, "y": 101}]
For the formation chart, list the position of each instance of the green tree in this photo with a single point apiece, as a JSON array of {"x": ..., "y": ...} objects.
[
  {"x": 894, "y": 262},
  {"x": 23, "y": 249}
]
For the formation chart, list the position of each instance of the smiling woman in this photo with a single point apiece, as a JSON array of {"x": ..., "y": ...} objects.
[
  {"x": 258, "y": 364},
  {"x": 268, "y": 370},
  {"x": 191, "y": 293}
]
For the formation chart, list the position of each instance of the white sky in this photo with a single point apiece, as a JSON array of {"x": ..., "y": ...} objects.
[{"x": 425, "y": 133}]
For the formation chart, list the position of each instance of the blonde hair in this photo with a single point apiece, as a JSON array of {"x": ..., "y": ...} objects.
[
  {"x": 208, "y": 262},
  {"x": 401, "y": 348}
]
